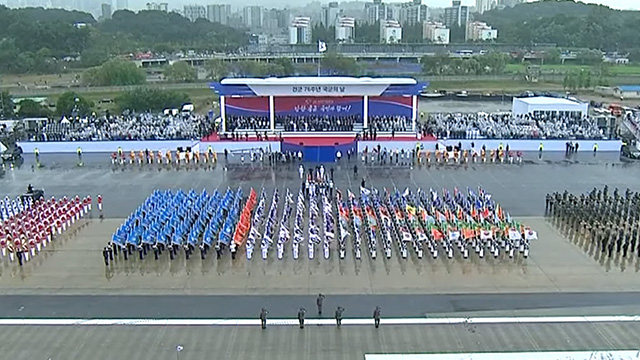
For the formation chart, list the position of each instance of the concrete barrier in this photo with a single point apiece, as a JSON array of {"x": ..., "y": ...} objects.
[
  {"x": 514, "y": 145},
  {"x": 155, "y": 145}
]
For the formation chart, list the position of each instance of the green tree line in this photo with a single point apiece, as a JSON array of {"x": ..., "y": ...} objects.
[
  {"x": 36, "y": 40},
  {"x": 142, "y": 99},
  {"x": 488, "y": 64}
]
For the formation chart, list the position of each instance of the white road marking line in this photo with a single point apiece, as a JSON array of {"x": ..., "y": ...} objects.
[
  {"x": 542, "y": 355},
  {"x": 294, "y": 322}
]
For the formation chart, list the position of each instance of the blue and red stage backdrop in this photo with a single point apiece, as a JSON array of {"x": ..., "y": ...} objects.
[
  {"x": 318, "y": 105},
  {"x": 247, "y": 106},
  {"x": 391, "y": 106}
]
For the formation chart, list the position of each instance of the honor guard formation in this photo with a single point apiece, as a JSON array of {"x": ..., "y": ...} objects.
[
  {"x": 30, "y": 223},
  {"x": 600, "y": 222},
  {"x": 387, "y": 221}
]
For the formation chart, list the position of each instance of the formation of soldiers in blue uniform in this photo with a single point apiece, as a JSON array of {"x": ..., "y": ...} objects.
[{"x": 386, "y": 221}]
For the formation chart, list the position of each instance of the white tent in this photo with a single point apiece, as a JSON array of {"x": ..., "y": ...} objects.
[{"x": 548, "y": 106}]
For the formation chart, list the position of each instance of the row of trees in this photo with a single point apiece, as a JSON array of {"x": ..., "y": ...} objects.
[
  {"x": 70, "y": 103},
  {"x": 488, "y": 64},
  {"x": 36, "y": 40}
]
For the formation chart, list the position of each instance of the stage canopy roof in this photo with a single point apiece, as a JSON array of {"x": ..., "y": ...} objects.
[
  {"x": 530, "y": 105},
  {"x": 318, "y": 86}
]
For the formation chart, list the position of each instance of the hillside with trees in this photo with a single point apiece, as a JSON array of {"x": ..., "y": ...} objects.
[
  {"x": 567, "y": 24},
  {"x": 36, "y": 40}
]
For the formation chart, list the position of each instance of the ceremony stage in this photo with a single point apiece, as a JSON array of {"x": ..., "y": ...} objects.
[{"x": 275, "y": 98}]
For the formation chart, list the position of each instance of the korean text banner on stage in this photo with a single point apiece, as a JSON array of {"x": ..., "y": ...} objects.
[
  {"x": 329, "y": 106},
  {"x": 391, "y": 106},
  {"x": 247, "y": 106}
]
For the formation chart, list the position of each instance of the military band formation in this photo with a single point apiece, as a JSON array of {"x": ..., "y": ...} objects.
[
  {"x": 604, "y": 222},
  {"x": 386, "y": 221},
  {"x": 29, "y": 225}
]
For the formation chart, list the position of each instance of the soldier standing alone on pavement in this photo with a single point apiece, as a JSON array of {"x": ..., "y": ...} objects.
[
  {"x": 301, "y": 317},
  {"x": 376, "y": 316},
  {"x": 263, "y": 318},
  {"x": 319, "y": 301},
  {"x": 339, "y": 312}
]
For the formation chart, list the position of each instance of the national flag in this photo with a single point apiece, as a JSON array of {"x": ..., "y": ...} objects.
[
  {"x": 179, "y": 348},
  {"x": 531, "y": 235},
  {"x": 322, "y": 46},
  {"x": 441, "y": 217},
  {"x": 468, "y": 233},
  {"x": 436, "y": 234},
  {"x": 486, "y": 234},
  {"x": 514, "y": 234}
]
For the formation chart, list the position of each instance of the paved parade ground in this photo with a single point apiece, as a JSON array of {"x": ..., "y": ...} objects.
[
  {"x": 314, "y": 342},
  {"x": 69, "y": 278}
]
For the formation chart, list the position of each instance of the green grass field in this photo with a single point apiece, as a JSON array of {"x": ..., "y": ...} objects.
[
  {"x": 615, "y": 70},
  {"x": 494, "y": 86}
]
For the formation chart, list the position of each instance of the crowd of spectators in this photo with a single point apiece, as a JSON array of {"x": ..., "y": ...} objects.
[
  {"x": 507, "y": 126},
  {"x": 247, "y": 123},
  {"x": 145, "y": 126},
  {"x": 318, "y": 123},
  {"x": 390, "y": 123}
]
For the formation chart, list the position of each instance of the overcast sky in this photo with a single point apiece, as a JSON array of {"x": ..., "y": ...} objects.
[{"x": 616, "y": 4}]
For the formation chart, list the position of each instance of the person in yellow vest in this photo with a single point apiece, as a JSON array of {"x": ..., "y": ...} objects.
[
  {"x": 595, "y": 148},
  {"x": 500, "y": 147},
  {"x": 37, "y": 153},
  {"x": 119, "y": 151},
  {"x": 540, "y": 147}
]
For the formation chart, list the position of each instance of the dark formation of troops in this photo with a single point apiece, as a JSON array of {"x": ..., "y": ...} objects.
[{"x": 605, "y": 222}]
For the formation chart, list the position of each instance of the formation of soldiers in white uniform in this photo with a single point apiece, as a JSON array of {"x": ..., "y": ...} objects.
[
  {"x": 27, "y": 226},
  {"x": 386, "y": 221}
]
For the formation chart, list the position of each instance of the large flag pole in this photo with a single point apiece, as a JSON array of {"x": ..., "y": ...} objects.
[{"x": 322, "y": 47}]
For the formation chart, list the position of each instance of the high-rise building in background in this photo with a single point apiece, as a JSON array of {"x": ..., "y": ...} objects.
[
  {"x": 194, "y": 12},
  {"x": 106, "y": 11},
  {"x": 413, "y": 12},
  {"x": 253, "y": 16},
  {"x": 390, "y": 32},
  {"x": 504, "y": 3},
  {"x": 300, "y": 30},
  {"x": 479, "y": 31},
  {"x": 158, "y": 6},
  {"x": 122, "y": 4},
  {"x": 345, "y": 29},
  {"x": 330, "y": 13},
  {"x": 436, "y": 32},
  {"x": 376, "y": 11},
  {"x": 219, "y": 13},
  {"x": 456, "y": 15},
  {"x": 483, "y": 5}
]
